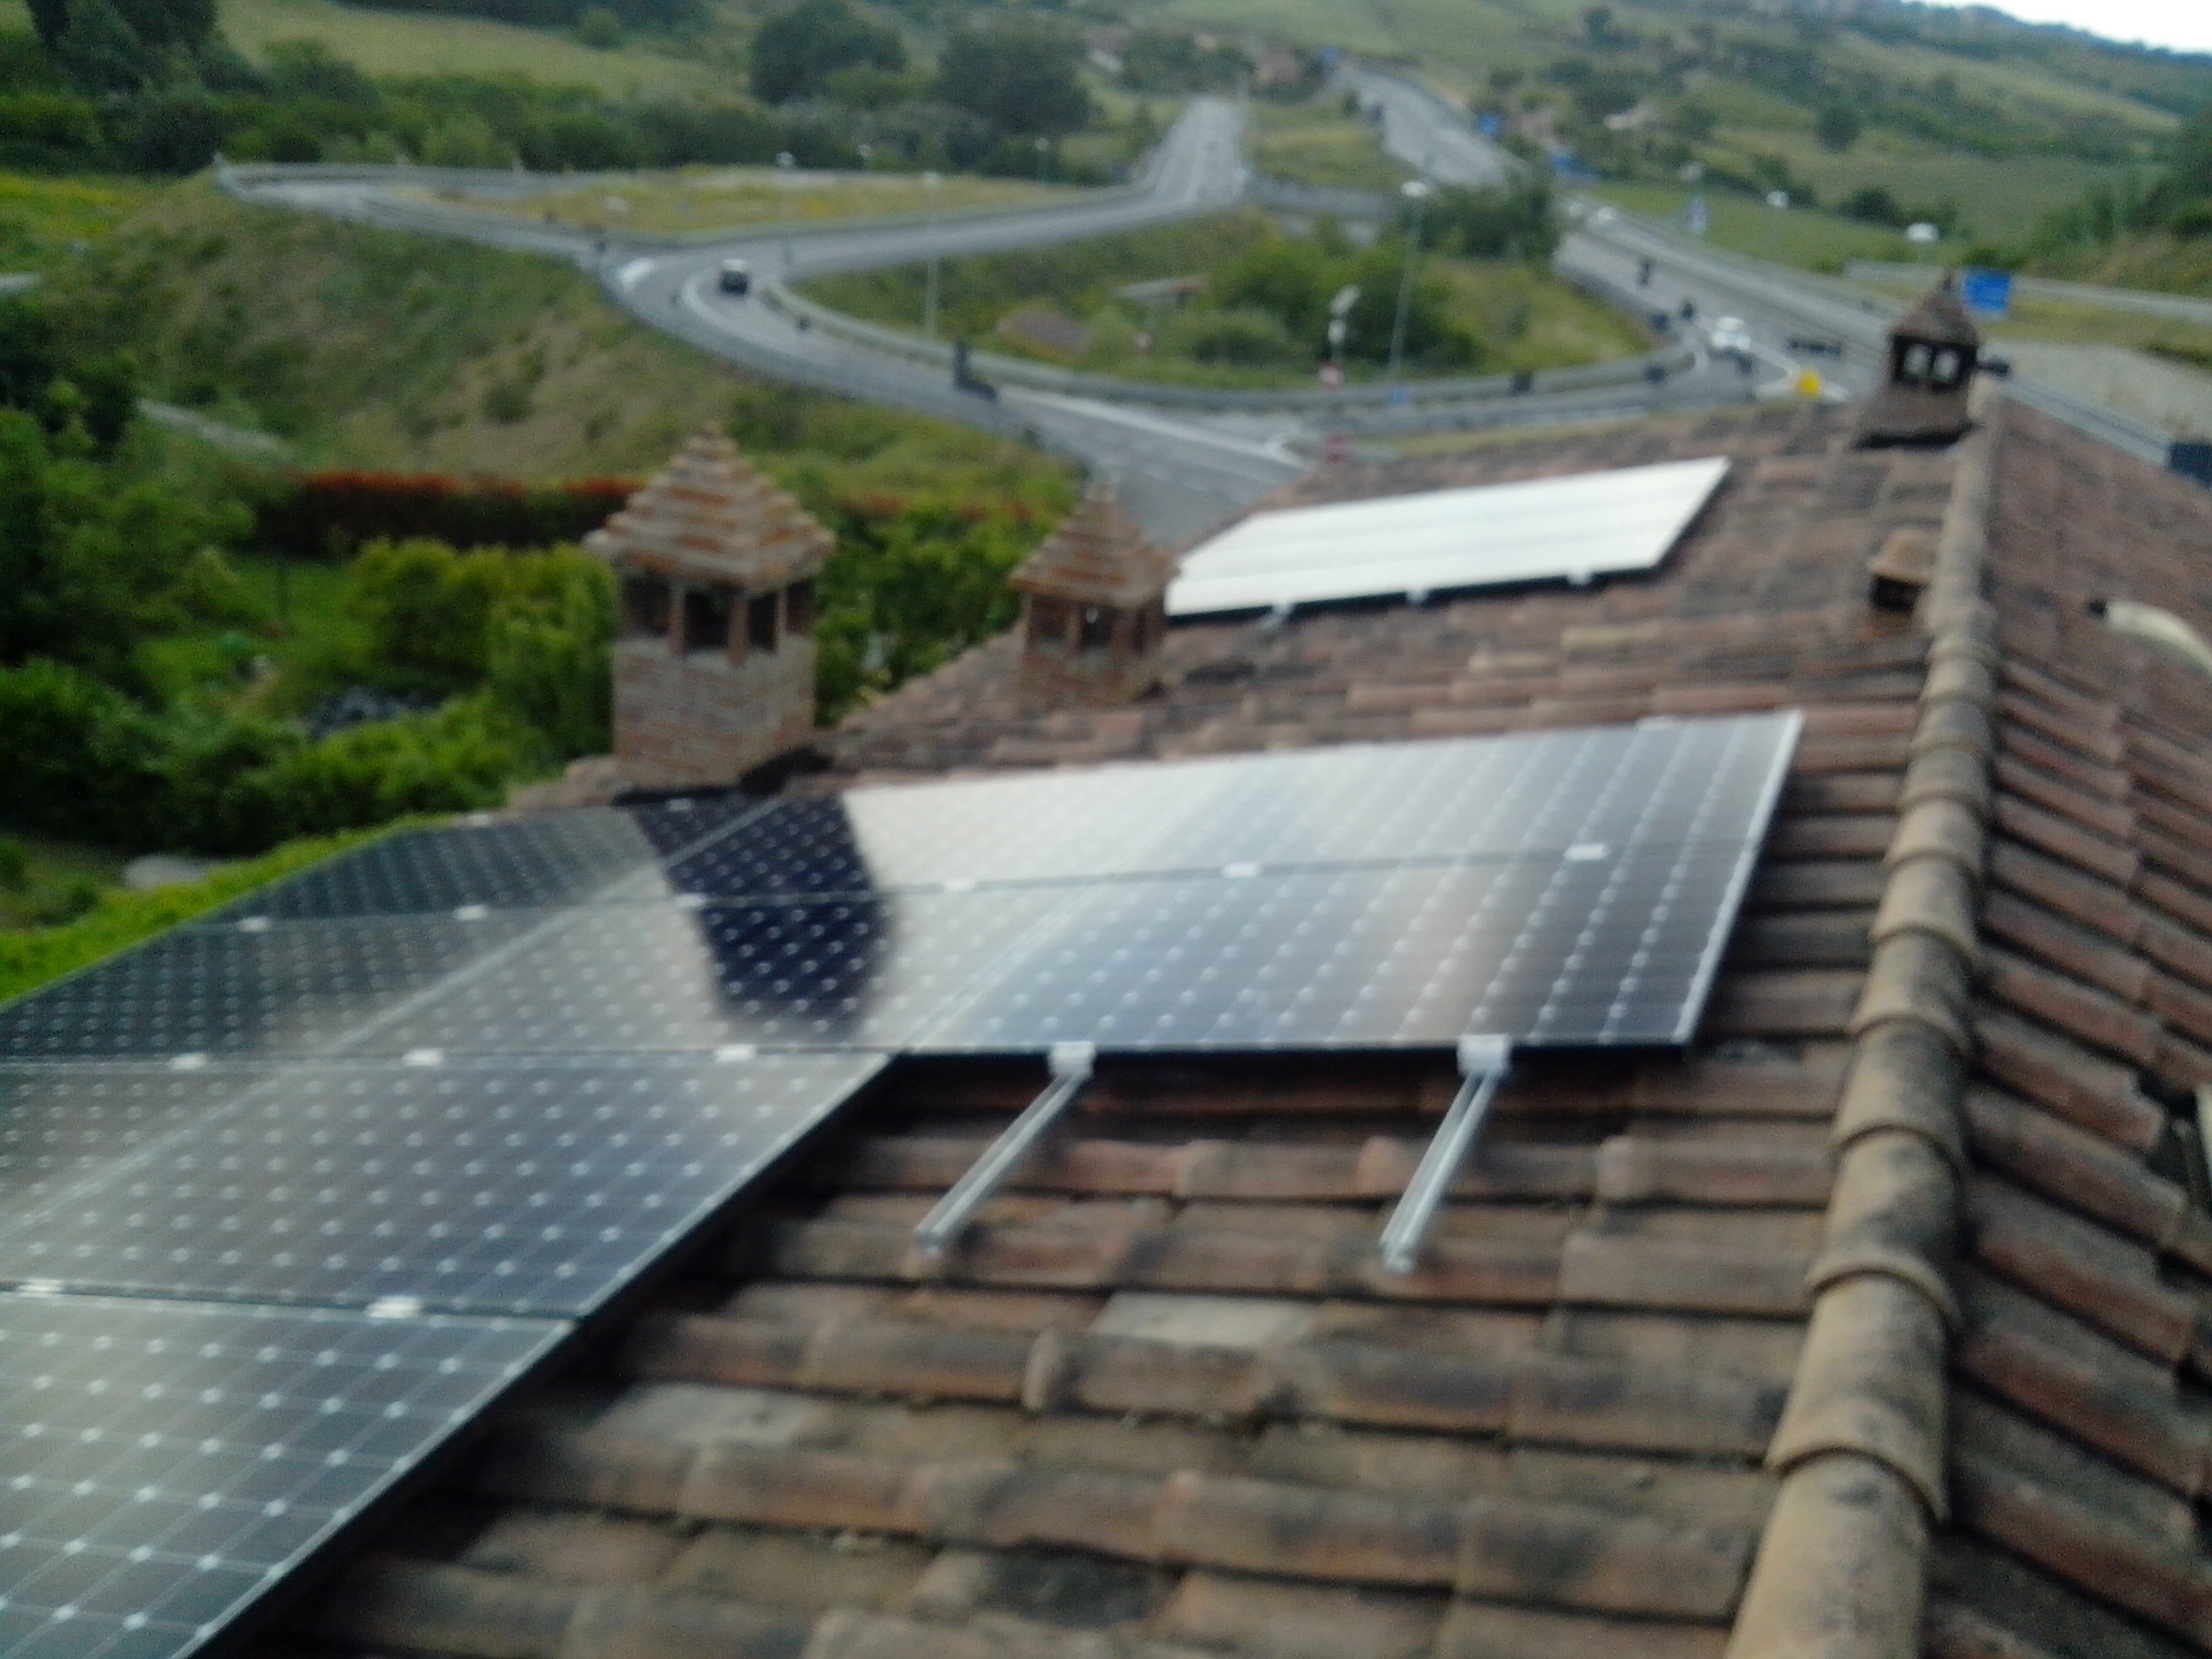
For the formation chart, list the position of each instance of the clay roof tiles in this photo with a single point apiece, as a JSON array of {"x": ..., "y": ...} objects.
[
  {"x": 709, "y": 516},
  {"x": 1097, "y": 556},
  {"x": 1874, "y": 1326}
]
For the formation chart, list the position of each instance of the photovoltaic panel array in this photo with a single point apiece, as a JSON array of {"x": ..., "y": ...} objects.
[
  {"x": 1570, "y": 529},
  {"x": 519, "y": 1186},
  {"x": 476, "y": 1082},
  {"x": 166, "y": 1462}
]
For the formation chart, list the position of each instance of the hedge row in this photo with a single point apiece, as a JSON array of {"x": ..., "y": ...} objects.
[{"x": 329, "y": 515}]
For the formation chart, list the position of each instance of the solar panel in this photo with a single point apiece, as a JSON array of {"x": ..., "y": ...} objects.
[
  {"x": 853, "y": 970},
  {"x": 1569, "y": 529},
  {"x": 499, "y": 1070},
  {"x": 165, "y": 1462},
  {"x": 245, "y": 986},
  {"x": 1370, "y": 896},
  {"x": 519, "y": 1186},
  {"x": 1360, "y": 804},
  {"x": 1613, "y": 948},
  {"x": 59, "y": 1124},
  {"x": 549, "y": 858}
]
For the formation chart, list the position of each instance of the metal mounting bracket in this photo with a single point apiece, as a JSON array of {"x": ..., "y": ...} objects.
[
  {"x": 1483, "y": 1064},
  {"x": 1070, "y": 1064}
]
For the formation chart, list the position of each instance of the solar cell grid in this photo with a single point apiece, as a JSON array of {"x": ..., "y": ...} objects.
[
  {"x": 861, "y": 971},
  {"x": 1360, "y": 804},
  {"x": 503, "y": 1076},
  {"x": 165, "y": 1462},
  {"x": 519, "y": 1186},
  {"x": 548, "y": 859},
  {"x": 59, "y": 1123},
  {"x": 245, "y": 988}
]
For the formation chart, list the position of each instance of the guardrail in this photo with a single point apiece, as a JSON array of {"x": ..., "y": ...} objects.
[
  {"x": 442, "y": 216},
  {"x": 1043, "y": 377},
  {"x": 1288, "y": 196},
  {"x": 2179, "y": 306}
]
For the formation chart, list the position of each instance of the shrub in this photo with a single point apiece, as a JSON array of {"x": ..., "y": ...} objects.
[
  {"x": 328, "y": 514},
  {"x": 535, "y": 626},
  {"x": 1514, "y": 223},
  {"x": 546, "y": 644},
  {"x": 1244, "y": 336},
  {"x": 459, "y": 757},
  {"x": 913, "y": 583},
  {"x": 599, "y": 29},
  {"x": 81, "y": 758}
]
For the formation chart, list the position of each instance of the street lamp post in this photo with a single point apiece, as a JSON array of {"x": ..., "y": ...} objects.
[
  {"x": 1416, "y": 191},
  {"x": 930, "y": 182}
]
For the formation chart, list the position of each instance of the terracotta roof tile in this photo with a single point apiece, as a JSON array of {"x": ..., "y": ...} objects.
[
  {"x": 1162, "y": 1401},
  {"x": 1097, "y": 555},
  {"x": 711, "y": 516}
]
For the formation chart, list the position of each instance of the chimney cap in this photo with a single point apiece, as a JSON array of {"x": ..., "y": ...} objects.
[
  {"x": 708, "y": 515},
  {"x": 1939, "y": 317},
  {"x": 1097, "y": 556}
]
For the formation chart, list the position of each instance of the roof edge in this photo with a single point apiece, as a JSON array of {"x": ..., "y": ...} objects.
[{"x": 1842, "y": 1566}]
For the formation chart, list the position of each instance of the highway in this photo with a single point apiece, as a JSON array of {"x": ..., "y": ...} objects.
[
  {"x": 1180, "y": 472},
  {"x": 1426, "y": 134},
  {"x": 1778, "y": 304}
]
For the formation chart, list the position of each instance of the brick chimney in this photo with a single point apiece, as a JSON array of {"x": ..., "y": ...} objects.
[
  {"x": 1933, "y": 350},
  {"x": 713, "y": 658},
  {"x": 1093, "y": 608}
]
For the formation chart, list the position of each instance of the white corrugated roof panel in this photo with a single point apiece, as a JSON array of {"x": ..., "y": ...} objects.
[{"x": 1593, "y": 524}]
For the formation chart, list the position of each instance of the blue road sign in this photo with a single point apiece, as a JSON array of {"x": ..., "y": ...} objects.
[{"x": 1989, "y": 292}]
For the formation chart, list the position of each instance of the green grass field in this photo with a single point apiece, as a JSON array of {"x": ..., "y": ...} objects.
[
  {"x": 1811, "y": 241},
  {"x": 45, "y": 222},
  {"x": 1999, "y": 198},
  {"x": 31, "y": 956},
  {"x": 1317, "y": 143},
  {"x": 415, "y": 43},
  {"x": 1525, "y": 318}
]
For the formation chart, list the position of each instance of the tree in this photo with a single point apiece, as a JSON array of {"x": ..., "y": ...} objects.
[
  {"x": 1162, "y": 60},
  {"x": 123, "y": 45},
  {"x": 794, "y": 52},
  {"x": 1017, "y": 73},
  {"x": 1838, "y": 128},
  {"x": 1875, "y": 204},
  {"x": 1500, "y": 223}
]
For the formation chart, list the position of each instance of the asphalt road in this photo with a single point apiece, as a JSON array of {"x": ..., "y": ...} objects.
[
  {"x": 1426, "y": 134},
  {"x": 1183, "y": 471},
  {"x": 1781, "y": 308},
  {"x": 1180, "y": 473}
]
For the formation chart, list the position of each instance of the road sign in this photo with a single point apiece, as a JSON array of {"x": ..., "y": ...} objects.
[{"x": 1989, "y": 292}]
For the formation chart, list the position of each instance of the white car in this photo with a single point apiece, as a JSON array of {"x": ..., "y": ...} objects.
[{"x": 1730, "y": 337}]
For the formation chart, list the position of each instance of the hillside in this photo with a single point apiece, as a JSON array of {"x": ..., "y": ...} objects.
[
  {"x": 1963, "y": 115},
  {"x": 367, "y": 348}
]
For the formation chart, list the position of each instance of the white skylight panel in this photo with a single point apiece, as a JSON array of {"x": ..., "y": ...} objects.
[{"x": 1572, "y": 529}]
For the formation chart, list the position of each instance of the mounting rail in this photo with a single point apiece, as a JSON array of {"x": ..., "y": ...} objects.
[
  {"x": 1070, "y": 1064},
  {"x": 1483, "y": 1064}
]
